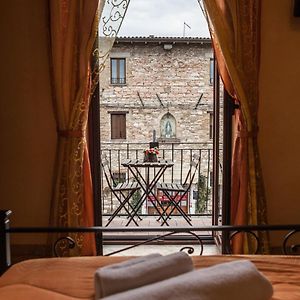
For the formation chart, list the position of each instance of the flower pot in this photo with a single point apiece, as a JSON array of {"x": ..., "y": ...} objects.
[{"x": 150, "y": 157}]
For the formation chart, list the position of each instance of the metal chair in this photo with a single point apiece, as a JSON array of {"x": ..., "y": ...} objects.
[
  {"x": 174, "y": 190},
  {"x": 122, "y": 191}
]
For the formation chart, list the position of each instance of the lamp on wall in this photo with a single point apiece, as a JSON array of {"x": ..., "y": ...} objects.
[{"x": 168, "y": 46}]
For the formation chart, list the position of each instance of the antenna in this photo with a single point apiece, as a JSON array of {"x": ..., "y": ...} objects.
[{"x": 184, "y": 24}]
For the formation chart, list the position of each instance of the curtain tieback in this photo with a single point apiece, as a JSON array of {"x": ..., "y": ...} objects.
[
  {"x": 70, "y": 133},
  {"x": 245, "y": 134}
]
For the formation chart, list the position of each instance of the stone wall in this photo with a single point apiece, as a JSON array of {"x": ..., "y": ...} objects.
[
  {"x": 178, "y": 77},
  {"x": 159, "y": 82}
]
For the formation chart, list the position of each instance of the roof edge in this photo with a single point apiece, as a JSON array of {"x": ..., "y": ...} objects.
[{"x": 162, "y": 40}]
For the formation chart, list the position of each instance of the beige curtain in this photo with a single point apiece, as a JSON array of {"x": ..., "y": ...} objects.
[
  {"x": 235, "y": 30},
  {"x": 73, "y": 25}
]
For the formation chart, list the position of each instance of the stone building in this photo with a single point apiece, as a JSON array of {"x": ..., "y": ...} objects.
[
  {"x": 158, "y": 88},
  {"x": 158, "y": 78}
]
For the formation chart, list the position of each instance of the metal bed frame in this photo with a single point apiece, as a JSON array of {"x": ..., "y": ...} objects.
[{"x": 230, "y": 231}]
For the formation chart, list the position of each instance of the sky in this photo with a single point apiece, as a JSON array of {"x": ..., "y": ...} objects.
[{"x": 164, "y": 18}]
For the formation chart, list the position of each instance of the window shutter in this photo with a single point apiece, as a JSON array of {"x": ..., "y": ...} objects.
[
  {"x": 114, "y": 126},
  {"x": 122, "y": 126},
  {"x": 118, "y": 126}
]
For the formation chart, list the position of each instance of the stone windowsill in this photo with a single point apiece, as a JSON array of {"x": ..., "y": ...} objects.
[
  {"x": 118, "y": 84},
  {"x": 168, "y": 140}
]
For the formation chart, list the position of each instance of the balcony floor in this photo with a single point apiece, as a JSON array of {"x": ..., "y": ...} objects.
[
  {"x": 151, "y": 221},
  {"x": 162, "y": 249}
]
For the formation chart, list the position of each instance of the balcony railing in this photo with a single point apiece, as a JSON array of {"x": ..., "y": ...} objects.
[
  {"x": 199, "y": 198},
  {"x": 118, "y": 80}
]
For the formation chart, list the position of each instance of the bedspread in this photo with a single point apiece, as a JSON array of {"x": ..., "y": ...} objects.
[{"x": 72, "y": 278}]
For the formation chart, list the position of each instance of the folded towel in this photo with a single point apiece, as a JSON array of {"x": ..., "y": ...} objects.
[
  {"x": 139, "y": 272},
  {"x": 235, "y": 281},
  {"x": 106, "y": 285}
]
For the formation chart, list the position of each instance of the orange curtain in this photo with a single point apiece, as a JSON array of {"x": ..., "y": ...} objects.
[
  {"x": 73, "y": 25},
  {"x": 235, "y": 30}
]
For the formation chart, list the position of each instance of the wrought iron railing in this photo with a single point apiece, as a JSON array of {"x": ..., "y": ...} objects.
[
  {"x": 118, "y": 80},
  {"x": 200, "y": 195}
]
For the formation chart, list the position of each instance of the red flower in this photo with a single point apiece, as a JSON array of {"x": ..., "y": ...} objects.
[{"x": 151, "y": 151}]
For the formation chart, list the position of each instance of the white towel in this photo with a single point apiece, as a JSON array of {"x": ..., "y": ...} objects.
[
  {"x": 104, "y": 283},
  {"x": 139, "y": 272},
  {"x": 235, "y": 281}
]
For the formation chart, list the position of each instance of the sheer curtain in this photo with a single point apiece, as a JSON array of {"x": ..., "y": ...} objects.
[{"x": 235, "y": 30}]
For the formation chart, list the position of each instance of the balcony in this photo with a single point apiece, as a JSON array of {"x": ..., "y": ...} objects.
[{"x": 197, "y": 204}]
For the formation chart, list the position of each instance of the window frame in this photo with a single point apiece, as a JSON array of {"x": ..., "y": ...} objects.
[
  {"x": 118, "y": 80},
  {"x": 95, "y": 158}
]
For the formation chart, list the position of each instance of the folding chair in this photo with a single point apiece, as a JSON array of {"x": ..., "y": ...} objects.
[
  {"x": 119, "y": 190},
  {"x": 174, "y": 190}
]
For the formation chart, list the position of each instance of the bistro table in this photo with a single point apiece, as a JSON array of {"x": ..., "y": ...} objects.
[{"x": 147, "y": 184}]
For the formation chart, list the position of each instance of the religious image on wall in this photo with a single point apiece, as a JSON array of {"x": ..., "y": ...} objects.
[{"x": 168, "y": 126}]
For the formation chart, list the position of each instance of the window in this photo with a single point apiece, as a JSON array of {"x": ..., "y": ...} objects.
[
  {"x": 119, "y": 177},
  {"x": 118, "y": 125},
  {"x": 118, "y": 70},
  {"x": 211, "y": 70},
  {"x": 211, "y": 122}
]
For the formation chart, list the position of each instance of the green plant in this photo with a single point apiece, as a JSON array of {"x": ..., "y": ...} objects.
[
  {"x": 203, "y": 193},
  {"x": 135, "y": 200}
]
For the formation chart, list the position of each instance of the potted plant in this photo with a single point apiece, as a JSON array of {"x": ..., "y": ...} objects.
[{"x": 150, "y": 154}]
